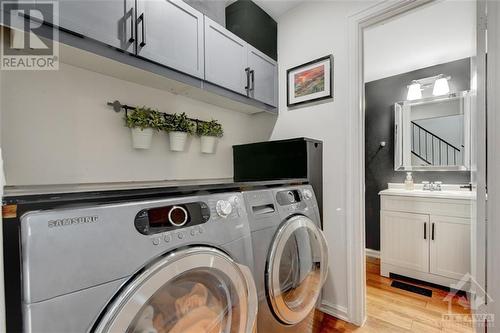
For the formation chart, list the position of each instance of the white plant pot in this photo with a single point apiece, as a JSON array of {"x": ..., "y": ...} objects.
[
  {"x": 177, "y": 140},
  {"x": 208, "y": 144},
  {"x": 141, "y": 139}
]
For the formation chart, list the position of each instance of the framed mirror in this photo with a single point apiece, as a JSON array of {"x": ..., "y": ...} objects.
[{"x": 433, "y": 134}]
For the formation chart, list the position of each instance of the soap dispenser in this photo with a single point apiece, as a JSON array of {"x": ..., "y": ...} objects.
[{"x": 409, "y": 182}]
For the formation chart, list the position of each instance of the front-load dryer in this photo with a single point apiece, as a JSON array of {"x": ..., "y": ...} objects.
[
  {"x": 290, "y": 257},
  {"x": 174, "y": 265}
]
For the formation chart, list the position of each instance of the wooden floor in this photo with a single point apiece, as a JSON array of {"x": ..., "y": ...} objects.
[{"x": 395, "y": 310}]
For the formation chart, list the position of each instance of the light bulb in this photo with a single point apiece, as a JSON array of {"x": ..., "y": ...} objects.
[
  {"x": 441, "y": 87},
  {"x": 414, "y": 92}
]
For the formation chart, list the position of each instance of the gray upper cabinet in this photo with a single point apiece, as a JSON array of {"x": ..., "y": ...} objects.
[
  {"x": 263, "y": 77},
  {"x": 170, "y": 32},
  {"x": 225, "y": 58},
  {"x": 108, "y": 21},
  {"x": 177, "y": 40}
]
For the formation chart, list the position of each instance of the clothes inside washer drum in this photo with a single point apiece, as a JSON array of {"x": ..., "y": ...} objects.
[
  {"x": 200, "y": 319},
  {"x": 187, "y": 306}
]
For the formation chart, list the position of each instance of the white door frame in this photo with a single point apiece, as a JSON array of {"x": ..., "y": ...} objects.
[
  {"x": 478, "y": 170},
  {"x": 493, "y": 181},
  {"x": 356, "y": 291}
]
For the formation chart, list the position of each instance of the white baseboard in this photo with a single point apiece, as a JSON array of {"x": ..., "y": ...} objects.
[
  {"x": 334, "y": 310},
  {"x": 372, "y": 253}
]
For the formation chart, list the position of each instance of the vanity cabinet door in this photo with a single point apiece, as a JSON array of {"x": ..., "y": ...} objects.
[
  {"x": 405, "y": 240},
  {"x": 170, "y": 32},
  {"x": 450, "y": 246}
]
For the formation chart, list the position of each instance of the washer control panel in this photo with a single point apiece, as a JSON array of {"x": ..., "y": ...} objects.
[
  {"x": 165, "y": 218},
  {"x": 288, "y": 197},
  {"x": 177, "y": 235},
  {"x": 183, "y": 222},
  {"x": 186, "y": 219},
  {"x": 308, "y": 194},
  {"x": 223, "y": 208},
  {"x": 293, "y": 200},
  {"x": 226, "y": 208}
]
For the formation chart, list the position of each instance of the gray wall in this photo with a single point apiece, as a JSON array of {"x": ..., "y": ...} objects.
[
  {"x": 65, "y": 133},
  {"x": 379, "y": 123}
]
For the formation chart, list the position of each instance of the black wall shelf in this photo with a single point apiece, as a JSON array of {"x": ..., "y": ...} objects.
[{"x": 118, "y": 107}]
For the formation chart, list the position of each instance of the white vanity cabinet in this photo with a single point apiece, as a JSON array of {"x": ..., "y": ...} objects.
[
  {"x": 426, "y": 236},
  {"x": 403, "y": 242},
  {"x": 450, "y": 248}
]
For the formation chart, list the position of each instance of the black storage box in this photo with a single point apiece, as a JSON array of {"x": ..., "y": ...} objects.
[{"x": 283, "y": 159}]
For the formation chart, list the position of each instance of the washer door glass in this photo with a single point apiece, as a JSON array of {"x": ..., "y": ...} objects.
[
  {"x": 196, "y": 290},
  {"x": 297, "y": 269}
]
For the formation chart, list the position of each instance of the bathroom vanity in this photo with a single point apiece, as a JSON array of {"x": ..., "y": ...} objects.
[{"x": 426, "y": 235}]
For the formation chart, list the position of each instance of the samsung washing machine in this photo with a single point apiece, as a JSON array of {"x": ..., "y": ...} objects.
[
  {"x": 175, "y": 265},
  {"x": 290, "y": 257}
]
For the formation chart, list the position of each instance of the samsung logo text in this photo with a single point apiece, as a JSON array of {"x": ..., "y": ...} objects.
[{"x": 72, "y": 221}]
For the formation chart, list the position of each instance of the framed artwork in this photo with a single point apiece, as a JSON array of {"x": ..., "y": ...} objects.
[{"x": 310, "y": 82}]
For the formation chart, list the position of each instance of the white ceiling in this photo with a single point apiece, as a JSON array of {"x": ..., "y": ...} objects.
[
  {"x": 275, "y": 8},
  {"x": 428, "y": 36}
]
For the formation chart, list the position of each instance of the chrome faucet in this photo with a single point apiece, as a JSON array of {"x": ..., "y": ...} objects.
[
  {"x": 427, "y": 186},
  {"x": 432, "y": 186},
  {"x": 437, "y": 186}
]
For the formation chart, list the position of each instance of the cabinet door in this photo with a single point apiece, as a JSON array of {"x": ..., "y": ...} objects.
[
  {"x": 170, "y": 32},
  {"x": 107, "y": 21},
  {"x": 450, "y": 246},
  {"x": 225, "y": 58},
  {"x": 264, "y": 77},
  {"x": 405, "y": 240}
]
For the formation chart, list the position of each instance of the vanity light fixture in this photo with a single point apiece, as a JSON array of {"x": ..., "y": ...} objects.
[
  {"x": 441, "y": 86},
  {"x": 414, "y": 91}
]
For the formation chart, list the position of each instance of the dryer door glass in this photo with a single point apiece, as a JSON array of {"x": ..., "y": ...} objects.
[
  {"x": 197, "y": 290},
  {"x": 297, "y": 269}
]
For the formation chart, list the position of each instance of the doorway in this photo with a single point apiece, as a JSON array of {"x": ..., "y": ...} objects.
[{"x": 398, "y": 137}]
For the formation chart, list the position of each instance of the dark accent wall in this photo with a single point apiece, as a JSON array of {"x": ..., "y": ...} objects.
[
  {"x": 380, "y": 96},
  {"x": 215, "y": 9},
  {"x": 252, "y": 24}
]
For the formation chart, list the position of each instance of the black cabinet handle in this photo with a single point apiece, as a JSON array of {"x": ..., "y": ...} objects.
[
  {"x": 131, "y": 39},
  {"x": 143, "y": 30},
  {"x": 247, "y": 87},
  {"x": 425, "y": 230},
  {"x": 467, "y": 186},
  {"x": 252, "y": 77},
  {"x": 432, "y": 231}
]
